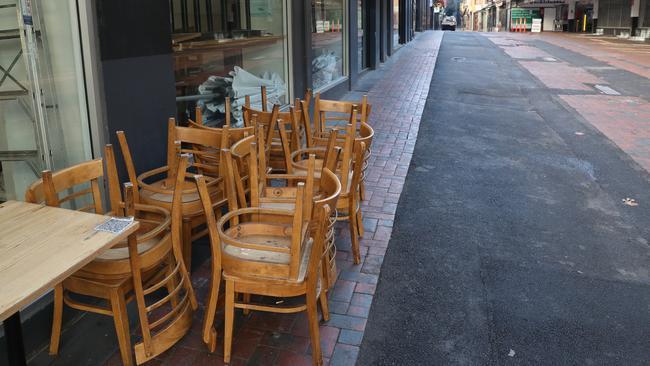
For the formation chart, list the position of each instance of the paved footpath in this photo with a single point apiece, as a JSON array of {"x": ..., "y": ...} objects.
[{"x": 512, "y": 243}]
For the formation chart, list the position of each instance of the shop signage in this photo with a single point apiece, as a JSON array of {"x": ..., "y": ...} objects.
[
  {"x": 524, "y": 15},
  {"x": 320, "y": 27},
  {"x": 537, "y": 25}
]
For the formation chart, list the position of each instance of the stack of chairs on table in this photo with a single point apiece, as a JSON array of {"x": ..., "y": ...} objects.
[{"x": 267, "y": 195}]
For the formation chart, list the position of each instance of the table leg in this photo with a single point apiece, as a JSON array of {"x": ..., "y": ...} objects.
[{"x": 14, "y": 337}]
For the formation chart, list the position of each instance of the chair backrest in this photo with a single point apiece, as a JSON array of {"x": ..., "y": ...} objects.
[
  {"x": 366, "y": 135},
  {"x": 269, "y": 120},
  {"x": 329, "y": 192},
  {"x": 199, "y": 114},
  {"x": 232, "y": 134},
  {"x": 159, "y": 333},
  {"x": 48, "y": 189},
  {"x": 345, "y": 142},
  {"x": 334, "y": 112},
  {"x": 320, "y": 222},
  {"x": 206, "y": 157}
]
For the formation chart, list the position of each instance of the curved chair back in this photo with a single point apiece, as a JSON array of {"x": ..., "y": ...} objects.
[
  {"x": 330, "y": 113},
  {"x": 49, "y": 187}
]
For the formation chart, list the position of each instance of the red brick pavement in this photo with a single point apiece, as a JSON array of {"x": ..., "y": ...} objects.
[
  {"x": 560, "y": 75},
  {"x": 273, "y": 339},
  {"x": 623, "y": 119}
]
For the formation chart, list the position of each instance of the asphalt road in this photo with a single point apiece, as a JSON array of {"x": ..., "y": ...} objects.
[{"x": 511, "y": 243}]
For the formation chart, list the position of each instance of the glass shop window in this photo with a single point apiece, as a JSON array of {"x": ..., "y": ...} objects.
[
  {"x": 327, "y": 42},
  {"x": 228, "y": 48}
]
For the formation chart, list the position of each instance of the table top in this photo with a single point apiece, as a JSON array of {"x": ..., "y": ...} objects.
[{"x": 40, "y": 246}]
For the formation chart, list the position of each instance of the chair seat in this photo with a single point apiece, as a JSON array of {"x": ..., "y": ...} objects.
[
  {"x": 288, "y": 206},
  {"x": 267, "y": 257},
  {"x": 115, "y": 261},
  {"x": 167, "y": 197},
  {"x": 273, "y": 239},
  {"x": 121, "y": 251}
]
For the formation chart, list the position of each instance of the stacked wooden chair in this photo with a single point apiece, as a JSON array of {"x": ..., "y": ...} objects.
[
  {"x": 271, "y": 252},
  {"x": 133, "y": 269},
  {"x": 349, "y": 169},
  {"x": 204, "y": 146}
]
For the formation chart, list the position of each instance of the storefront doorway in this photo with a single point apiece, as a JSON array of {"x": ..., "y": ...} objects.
[{"x": 44, "y": 114}]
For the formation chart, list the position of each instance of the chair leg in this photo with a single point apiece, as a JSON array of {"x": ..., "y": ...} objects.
[
  {"x": 360, "y": 228},
  {"x": 187, "y": 244},
  {"x": 324, "y": 306},
  {"x": 57, "y": 319},
  {"x": 209, "y": 332},
  {"x": 247, "y": 299},
  {"x": 312, "y": 318},
  {"x": 362, "y": 191},
  {"x": 121, "y": 320},
  {"x": 230, "y": 312},
  {"x": 356, "y": 252}
]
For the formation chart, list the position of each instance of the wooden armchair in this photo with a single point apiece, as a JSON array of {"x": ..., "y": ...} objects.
[
  {"x": 160, "y": 192},
  {"x": 261, "y": 254},
  {"x": 349, "y": 169},
  {"x": 264, "y": 194},
  {"x": 111, "y": 276}
]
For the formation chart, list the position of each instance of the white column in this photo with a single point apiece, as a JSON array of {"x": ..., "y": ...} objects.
[
  {"x": 595, "y": 14},
  {"x": 636, "y": 6},
  {"x": 572, "y": 10}
]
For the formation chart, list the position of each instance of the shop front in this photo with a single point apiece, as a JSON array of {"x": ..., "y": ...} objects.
[{"x": 614, "y": 16}]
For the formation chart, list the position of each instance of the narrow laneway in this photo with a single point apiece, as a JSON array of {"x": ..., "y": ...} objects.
[{"x": 512, "y": 241}]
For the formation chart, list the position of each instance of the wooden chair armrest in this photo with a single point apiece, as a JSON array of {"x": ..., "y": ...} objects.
[{"x": 162, "y": 225}]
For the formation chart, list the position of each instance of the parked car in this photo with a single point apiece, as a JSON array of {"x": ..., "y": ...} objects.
[{"x": 449, "y": 23}]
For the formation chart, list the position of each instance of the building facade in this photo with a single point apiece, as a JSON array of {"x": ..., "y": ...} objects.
[{"x": 76, "y": 71}]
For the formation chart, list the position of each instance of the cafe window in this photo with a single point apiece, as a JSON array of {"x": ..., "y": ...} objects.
[
  {"x": 228, "y": 48},
  {"x": 327, "y": 42}
]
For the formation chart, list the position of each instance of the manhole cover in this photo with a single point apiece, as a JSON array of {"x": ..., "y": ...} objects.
[{"x": 458, "y": 59}]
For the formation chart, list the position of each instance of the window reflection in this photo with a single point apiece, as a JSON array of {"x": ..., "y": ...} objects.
[
  {"x": 327, "y": 42},
  {"x": 227, "y": 48}
]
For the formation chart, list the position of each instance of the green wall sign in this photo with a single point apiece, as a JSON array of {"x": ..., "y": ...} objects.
[{"x": 521, "y": 14}]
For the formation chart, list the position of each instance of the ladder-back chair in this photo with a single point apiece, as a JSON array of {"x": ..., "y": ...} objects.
[
  {"x": 108, "y": 277},
  {"x": 330, "y": 114}
]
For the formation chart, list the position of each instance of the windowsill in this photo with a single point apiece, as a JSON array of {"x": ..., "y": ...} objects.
[{"x": 331, "y": 85}]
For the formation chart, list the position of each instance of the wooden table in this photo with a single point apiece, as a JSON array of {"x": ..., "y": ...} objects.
[{"x": 39, "y": 247}]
